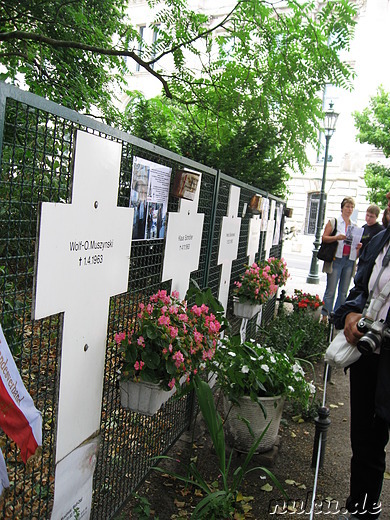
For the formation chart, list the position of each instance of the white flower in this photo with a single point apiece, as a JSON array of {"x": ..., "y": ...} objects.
[
  {"x": 273, "y": 360},
  {"x": 252, "y": 340},
  {"x": 312, "y": 388},
  {"x": 233, "y": 354},
  {"x": 245, "y": 369},
  {"x": 265, "y": 368},
  {"x": 291, "y": 389},
  {"x": 297, "y": 368}
]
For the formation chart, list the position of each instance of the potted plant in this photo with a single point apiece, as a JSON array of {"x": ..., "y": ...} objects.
[
  {"x": 255, "y": 286},
  {"x": 169, "y": 342},
  {"x": 302, "y": 301},
  {"x": 255, "y": 381}
]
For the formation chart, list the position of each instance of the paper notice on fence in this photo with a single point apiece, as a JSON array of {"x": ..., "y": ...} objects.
[
  {"x": 356, "y": 234},
  {"x": 19, "y": 418},
  {"x": 279, "y": 214},
  {"x": 73, "y": 483}
]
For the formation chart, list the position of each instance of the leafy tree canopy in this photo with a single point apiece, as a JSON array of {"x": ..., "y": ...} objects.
[
  {"x": 249, "y": 83},
  {"x": 373, "y": 125}
]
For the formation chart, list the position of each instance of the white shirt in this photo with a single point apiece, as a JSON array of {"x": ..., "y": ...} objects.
[{"x": 385, "y": 277}]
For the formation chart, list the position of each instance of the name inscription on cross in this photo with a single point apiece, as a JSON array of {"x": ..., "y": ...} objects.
[
  {"x": 82, "y": 260},
  {"x": 228, "y": 244},
  {"x": 182, "y": 248}
]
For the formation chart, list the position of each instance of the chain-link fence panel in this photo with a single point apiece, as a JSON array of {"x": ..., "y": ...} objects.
[{"x": 37, "y": 152}]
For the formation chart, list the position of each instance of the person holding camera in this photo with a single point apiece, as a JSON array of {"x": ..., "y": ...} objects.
[{"x": 369, "y": 377}]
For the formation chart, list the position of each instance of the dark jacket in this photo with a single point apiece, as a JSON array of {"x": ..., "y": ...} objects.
[
  {"x": 355, "y": 303},
  {"x": 358, "y": 295}
]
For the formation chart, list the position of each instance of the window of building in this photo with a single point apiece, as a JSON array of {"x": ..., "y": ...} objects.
[
  {"x": 141, "y": 31},
  {"x": 155, "y": 36},
  {"x": 312, "y": 209}
]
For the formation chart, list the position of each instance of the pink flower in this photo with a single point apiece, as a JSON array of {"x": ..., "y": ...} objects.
[
  {"x": 141, "y": 341},
  {"x": 175, "y": 294},
  {"x": 179, "y": 358},
  {"x": 138, "y": 365},
  {"x": 171, "y": 383},
  {"x": 183, "y": 317},
  {"x": 196, "y": 310},
  {"x": 119, "y": 337},
  {"x": 173, "y": 331},
  {"x": 198, "y": 336},
  {"x": 164, "y": 320}
]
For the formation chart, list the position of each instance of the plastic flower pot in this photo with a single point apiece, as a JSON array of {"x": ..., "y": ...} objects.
[
  {"x": 252, "y": 412},
  {"x": 144, "y": 398},
  {"x": 245, "y": 309}
]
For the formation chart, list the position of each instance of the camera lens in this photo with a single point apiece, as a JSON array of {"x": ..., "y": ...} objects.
[{"x": 369, "y": 343}]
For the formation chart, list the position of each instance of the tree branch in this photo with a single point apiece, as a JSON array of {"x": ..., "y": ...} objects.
[
  {"x": 198, "y": 36},
  {"x": 68, "y": 44}
]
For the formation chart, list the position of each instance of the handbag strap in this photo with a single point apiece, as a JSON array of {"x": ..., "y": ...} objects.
[
  {"x": 334, "y": 231},
  {"x": 372, "y": 307}
]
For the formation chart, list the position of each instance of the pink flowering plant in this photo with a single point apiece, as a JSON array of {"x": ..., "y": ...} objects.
[
  {"x": 170, "y": 341},
  {"x": 278, "y": 270},
  {"x": 257, "y": 284}
]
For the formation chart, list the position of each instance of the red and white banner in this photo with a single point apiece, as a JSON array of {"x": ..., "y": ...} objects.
[{"x": 19, "y": 418}]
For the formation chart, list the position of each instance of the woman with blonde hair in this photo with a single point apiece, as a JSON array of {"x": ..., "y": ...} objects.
[{"x": 343, "y": 264}]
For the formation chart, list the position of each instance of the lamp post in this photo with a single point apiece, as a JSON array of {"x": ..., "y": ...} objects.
[{"x": 330, "y": 121}]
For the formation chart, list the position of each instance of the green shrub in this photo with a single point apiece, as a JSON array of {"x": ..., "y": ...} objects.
[{"x": 299, "y": 328}]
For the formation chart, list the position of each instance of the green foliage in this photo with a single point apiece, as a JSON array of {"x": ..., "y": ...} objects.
[
  {"x": 285, "y": 328},
  {"x": 245, "y": 89},
  {"x": 373, "y": 125},
  {"x": 44, "y": 42},
  {"x": 218, "y": 503},
  {"x": 248, "y": 369},
  {"x": 142, "y": 508},
  {"x": 377, "y": 179}
]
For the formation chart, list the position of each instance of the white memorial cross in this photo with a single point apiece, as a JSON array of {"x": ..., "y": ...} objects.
[
  {"x": 270, "y": 230},
  {"x": 228, "y": 243},
  {"x": 253, "y": 238},
  {"x": 182, "y": 248},
  {"x": 83, "y": 259},
  {"x": 251, "y": 251}
]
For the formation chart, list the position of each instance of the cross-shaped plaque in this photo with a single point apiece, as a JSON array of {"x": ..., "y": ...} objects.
[{"x": 82, "y": 259}]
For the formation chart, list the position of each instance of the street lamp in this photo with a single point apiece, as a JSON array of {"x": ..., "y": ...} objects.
[{"x": 330, "y": 121}]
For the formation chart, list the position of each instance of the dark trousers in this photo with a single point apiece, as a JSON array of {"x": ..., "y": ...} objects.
[{"x": 369, "y": 436}]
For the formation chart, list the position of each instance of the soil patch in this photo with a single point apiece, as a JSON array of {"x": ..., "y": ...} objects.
[{"x": 290, "y": 462}]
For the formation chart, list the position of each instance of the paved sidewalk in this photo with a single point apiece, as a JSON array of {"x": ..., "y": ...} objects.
[{"x": 297, "y": 252}]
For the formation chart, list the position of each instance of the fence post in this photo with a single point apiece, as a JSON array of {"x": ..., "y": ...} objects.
[{"x": 210, "y": 241}]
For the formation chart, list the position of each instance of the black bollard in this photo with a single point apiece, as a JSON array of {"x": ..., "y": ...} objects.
[
  {"x": 322, "y": 424},
  {"x": 282, "y": 297}
]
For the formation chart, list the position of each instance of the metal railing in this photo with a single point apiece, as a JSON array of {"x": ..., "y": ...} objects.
[{"x": 36, "y": 146}]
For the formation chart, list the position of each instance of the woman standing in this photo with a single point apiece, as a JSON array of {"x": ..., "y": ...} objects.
[{"x": 342, "y": 266}]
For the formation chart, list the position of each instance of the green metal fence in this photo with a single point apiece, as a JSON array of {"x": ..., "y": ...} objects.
[{"x": 36, "y": 146}]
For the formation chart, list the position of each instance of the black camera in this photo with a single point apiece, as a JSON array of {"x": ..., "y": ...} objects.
[{"x": 376, "y": 334}]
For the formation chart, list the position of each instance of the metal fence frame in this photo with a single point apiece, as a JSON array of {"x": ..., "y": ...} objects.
[{"x": 36, "y": 147}]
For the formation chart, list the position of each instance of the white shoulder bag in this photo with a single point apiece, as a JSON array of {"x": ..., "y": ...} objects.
[{"x": 340, "y": 353}]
